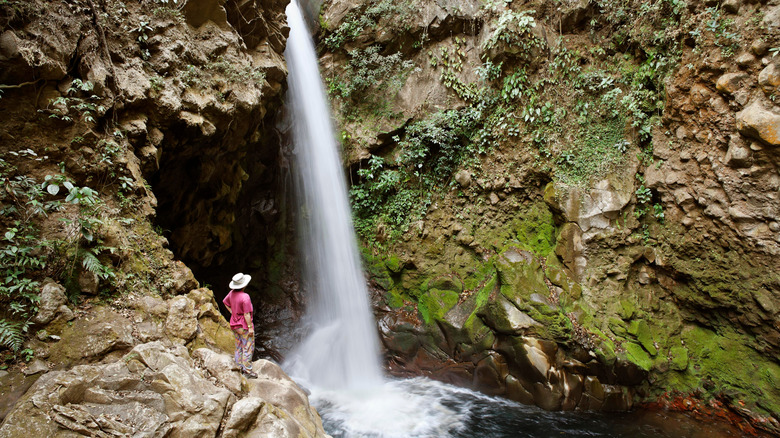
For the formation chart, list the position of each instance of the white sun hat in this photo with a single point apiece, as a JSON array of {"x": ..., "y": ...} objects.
[{"x": 240, "y": 281}]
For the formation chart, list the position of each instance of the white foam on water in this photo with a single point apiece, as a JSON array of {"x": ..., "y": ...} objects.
[{"x": 396, "y": 409}]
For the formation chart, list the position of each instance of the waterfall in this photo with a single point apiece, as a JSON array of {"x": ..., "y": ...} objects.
[
  {"x": 339, "y": 358},
  {"x": 341, "y": 350}
]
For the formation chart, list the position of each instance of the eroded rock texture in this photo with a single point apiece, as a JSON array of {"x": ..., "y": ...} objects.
[{"x": 159, "y": 391}]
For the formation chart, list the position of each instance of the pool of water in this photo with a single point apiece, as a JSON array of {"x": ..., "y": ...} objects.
[{"x": 422, "y": 408}]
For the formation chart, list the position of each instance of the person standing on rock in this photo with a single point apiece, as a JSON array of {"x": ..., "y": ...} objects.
[{"x": 240, "y": 306}]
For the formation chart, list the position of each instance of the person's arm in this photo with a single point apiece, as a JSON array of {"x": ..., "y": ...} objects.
[{"x": 248, "y": 319}]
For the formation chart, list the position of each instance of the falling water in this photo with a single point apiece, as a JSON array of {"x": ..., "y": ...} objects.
[
  {"x": 339, "y": 359},
  {"x": 342, "y": 348}
]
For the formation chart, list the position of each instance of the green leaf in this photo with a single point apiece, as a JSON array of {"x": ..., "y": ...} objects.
[
  {"x": 11, "y": 334},
  {"x": 53, "y": 189}
]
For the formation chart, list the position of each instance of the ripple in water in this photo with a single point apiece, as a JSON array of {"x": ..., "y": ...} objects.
[{"x": 423, "y": 408}]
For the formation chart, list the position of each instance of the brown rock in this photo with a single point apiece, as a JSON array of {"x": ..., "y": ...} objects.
[
  {"x": 198, "y": 12},
  {"x": 731, "y": 6},
  {"x": 9, "y": 45},
  {"x": 463, "y": 177},
  {"x": 746, "y": 59},
  {"x": 759, "y": 47},
  {"x": 700, "y": 94},
  {"x": 731, "y": 82},
  {"x": 769, "y": 78},
  {"x": 759, "y": 123},
  {"x": 738, "y": 154},
  {"x": 88, "y": 282}
]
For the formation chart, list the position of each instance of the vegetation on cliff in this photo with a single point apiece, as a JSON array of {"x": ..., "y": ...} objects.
[{"x": 581, "y": 159}]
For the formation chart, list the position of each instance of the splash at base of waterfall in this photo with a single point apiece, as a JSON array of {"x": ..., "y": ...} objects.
[{"x": 423, "y": 408}]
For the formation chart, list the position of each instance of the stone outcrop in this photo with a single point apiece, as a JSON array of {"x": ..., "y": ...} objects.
[
  {"x": 158, "y": 391},
  {"x": 500, "y": 339}
]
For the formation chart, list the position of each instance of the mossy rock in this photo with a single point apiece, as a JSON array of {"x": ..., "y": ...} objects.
[
  {"x": 393, "y": 263},
  {"x": 618, "y": 326},
  {"x": 727, "y": 360},
  {"x": 444, "y": 282},
  {"x": 394, "y": 299},
  {"x": 377, "y": 269},
  {"x": 641, "y": 330},
  {"x": 520, "y": 275},
  {"x": 435, "y": 303},
  {"x": 627, "y": 309},
  {"x": 637, "y": 355},
  {"x": 536, "y": 231},
  {"x": 679, "y": 357}
]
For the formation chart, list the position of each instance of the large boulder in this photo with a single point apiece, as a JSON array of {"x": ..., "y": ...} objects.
[
  {"x": 759, "y": 123},
  {"x": 158, "y": 391},
  {"x": 276, "y": 407},
  {"x": 91, "y": 338}
]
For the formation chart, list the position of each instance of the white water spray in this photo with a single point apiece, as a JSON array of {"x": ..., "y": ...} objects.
[{"x": 342, "y": 348}]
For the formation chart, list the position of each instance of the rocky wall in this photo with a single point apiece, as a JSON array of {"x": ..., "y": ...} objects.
[
  {"x": 527, "y": 273},
  {"x": 168, "y": 110}
]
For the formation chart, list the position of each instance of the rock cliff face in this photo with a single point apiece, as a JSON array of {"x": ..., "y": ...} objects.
[
  {"x": 133, "y": 131},
  {"x": 572, "y": 204}
]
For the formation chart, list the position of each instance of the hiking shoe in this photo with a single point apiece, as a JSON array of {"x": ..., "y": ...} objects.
[{"x": 249, "y": 374}]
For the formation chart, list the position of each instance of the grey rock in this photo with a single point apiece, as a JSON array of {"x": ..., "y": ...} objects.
[
  {"x": 35, "y": 367},
  {"x": 52, "y": 296},
  {"x": 772, "y": 19},
  {"x": 182, "y": 322},
  {"x": 222, "y": 367},
  {"x": 463, "y": 177},
  {"x": 183, "y": 280}
]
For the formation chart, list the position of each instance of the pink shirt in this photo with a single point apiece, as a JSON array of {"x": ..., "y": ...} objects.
[{"x": 239, "y": 303}]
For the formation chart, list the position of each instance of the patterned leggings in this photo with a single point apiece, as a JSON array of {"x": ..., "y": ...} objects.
[{"x": 245, "y": 346}]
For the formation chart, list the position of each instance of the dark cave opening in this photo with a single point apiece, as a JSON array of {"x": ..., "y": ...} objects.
[{"x": 223, "y": 206}]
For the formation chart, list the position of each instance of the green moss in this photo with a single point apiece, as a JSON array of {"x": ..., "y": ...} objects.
[
  {"x": 627, "y": 309},
  {"x": 394, "y": 299},
  {"x": 633, "y": 327},
  {"x": 377, "y": 268},
  {"x": 645, "y": 337},
  {"x": 679, "y": 358},
  {"x": 434, "y": 304},
  {"x": 637, "y": 355},
  {"x": 393, "y": 263},
  {"x": 618, "y": 326},
  {"x": 554, "y": 325},
  {"x": 536, "y": 230},
  {"x": 605, "y": 350},
  {"x": 730, "y": 366}
]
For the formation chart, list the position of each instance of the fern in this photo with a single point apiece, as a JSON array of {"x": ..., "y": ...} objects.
[
  {"x": 91, "y": 263},
  {"x": 11, "y": 335}
]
